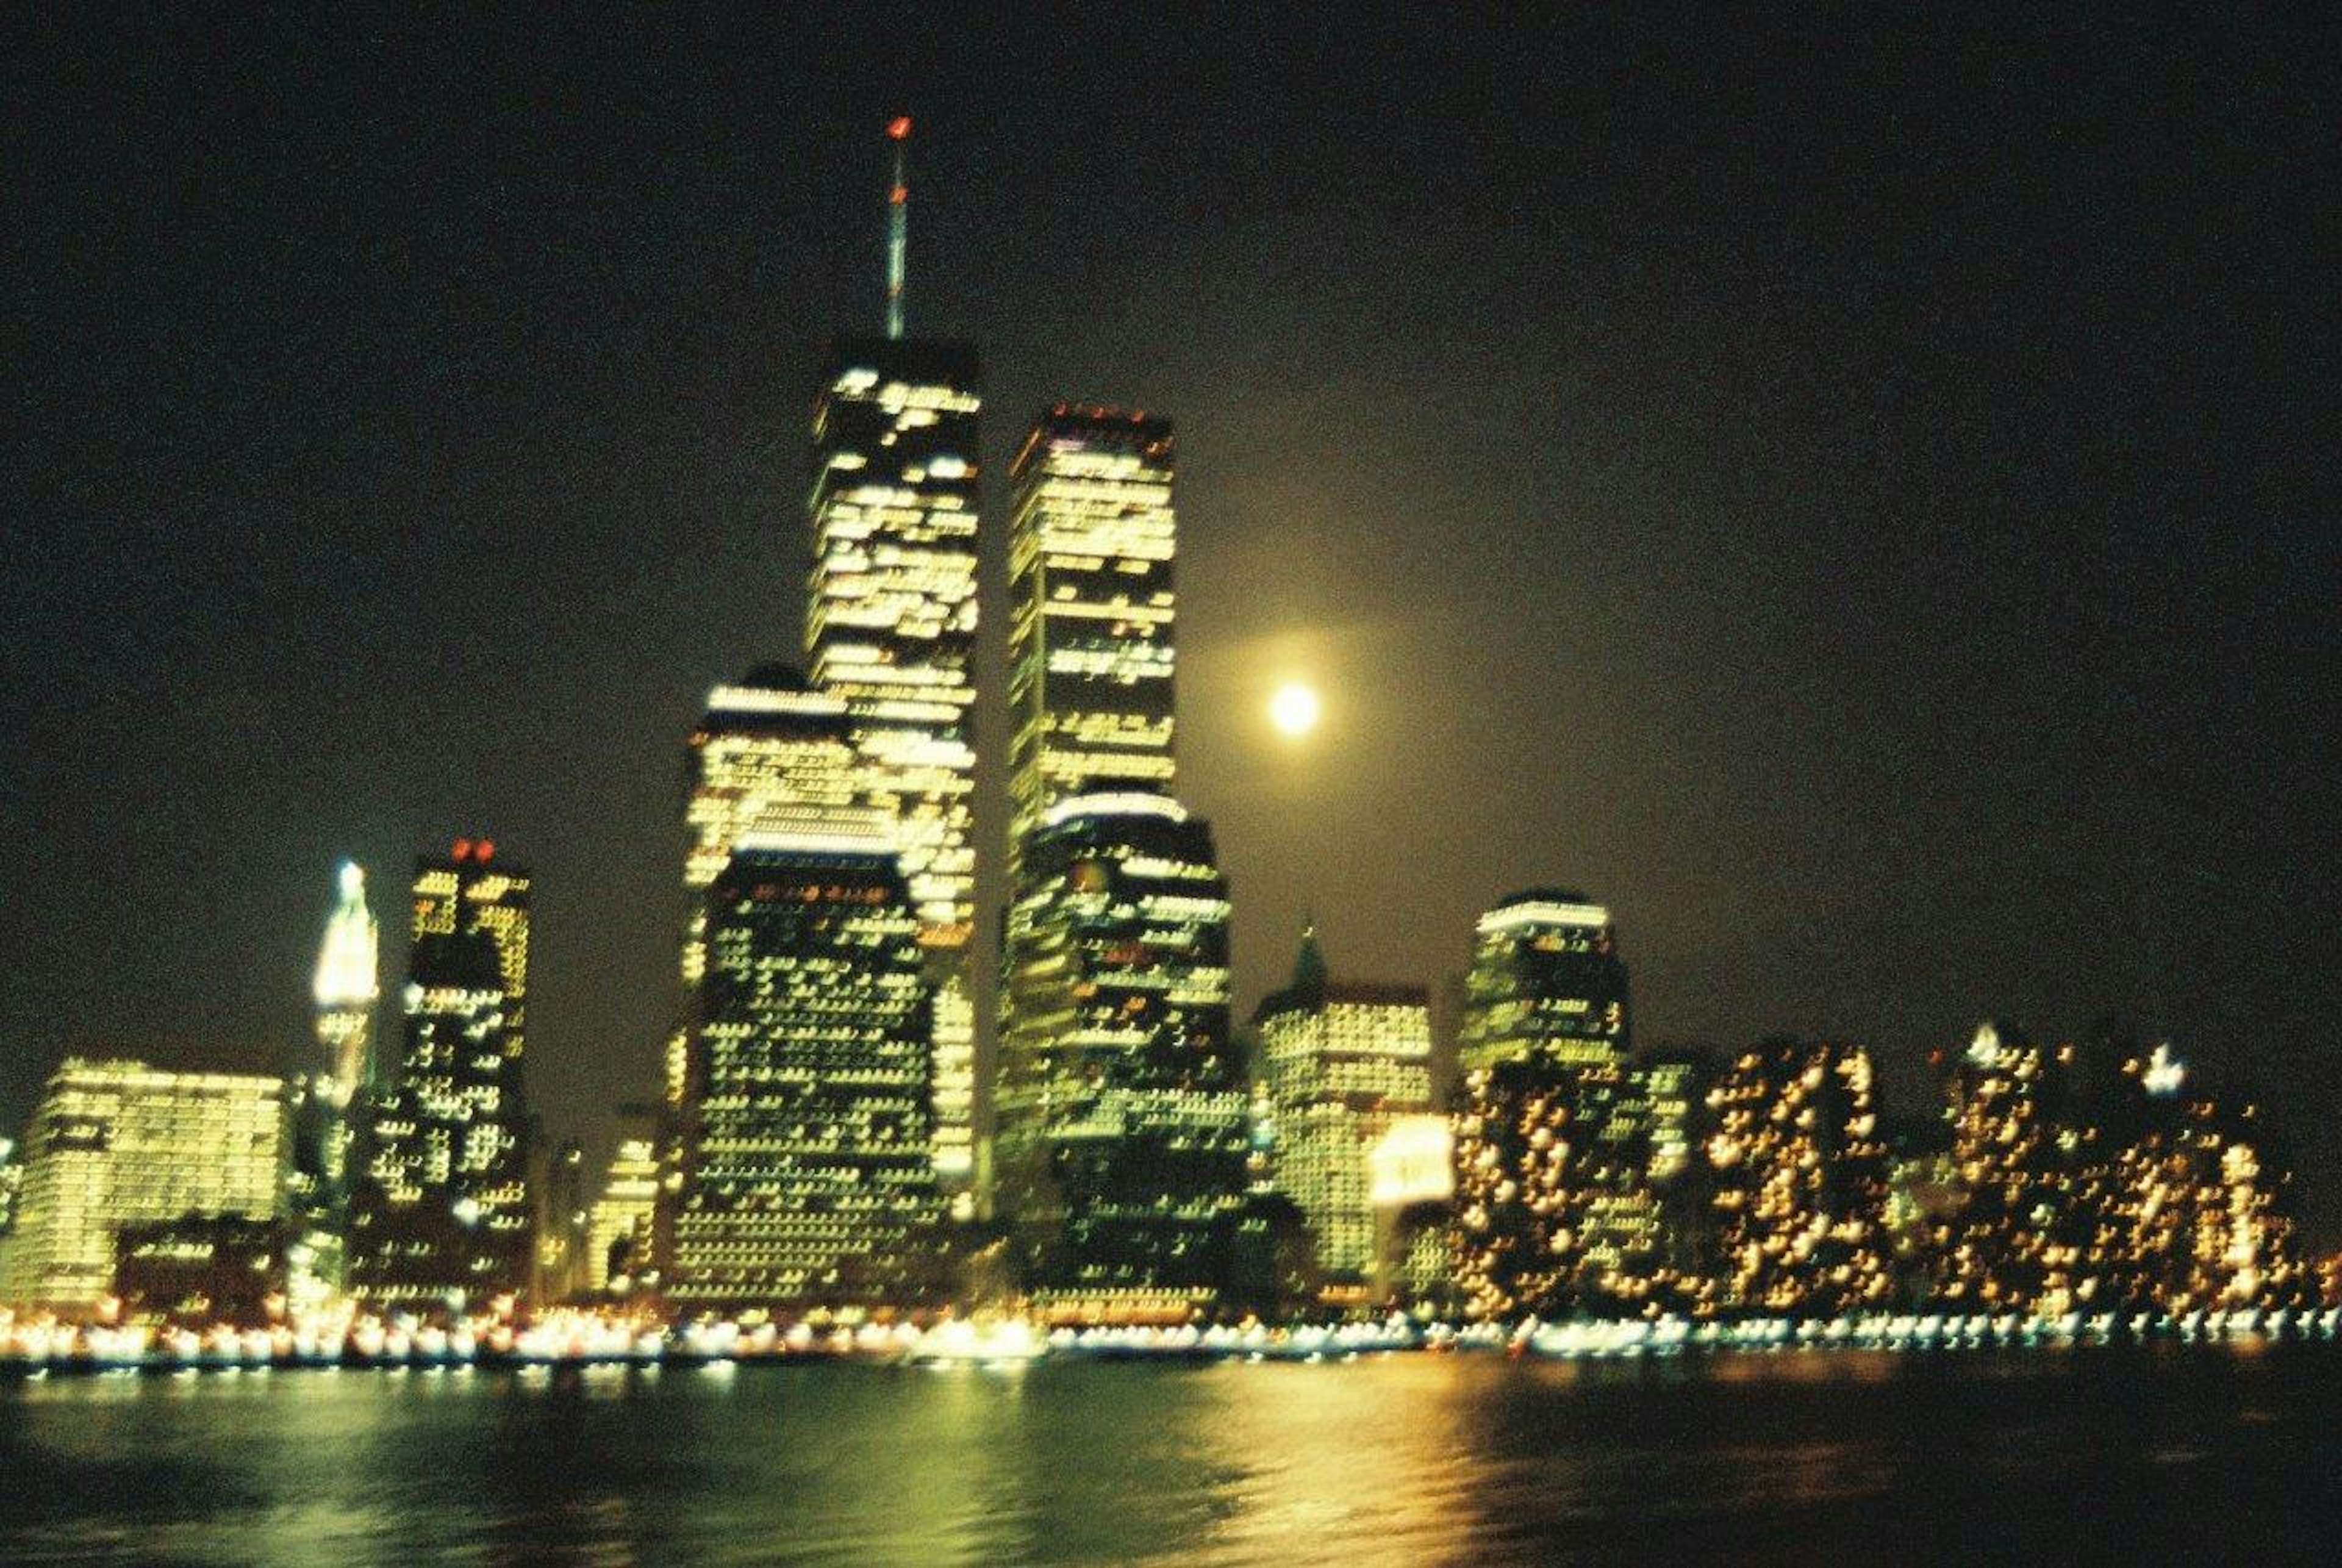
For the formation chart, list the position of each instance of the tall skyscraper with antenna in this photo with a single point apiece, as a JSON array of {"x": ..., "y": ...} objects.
[{"x": 891, "y": 628}]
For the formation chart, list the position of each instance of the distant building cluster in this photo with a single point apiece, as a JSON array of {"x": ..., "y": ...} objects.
[
  {"x": 825, "y": 1146},
  {"x": 1573, "y": 1176}
]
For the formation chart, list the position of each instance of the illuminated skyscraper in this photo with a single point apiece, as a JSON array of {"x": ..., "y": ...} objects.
[
  {"x": 770, "y": 755},
  {"x": 892, "y": 603},
  {"x": 618, "y": 1228},
  {"x": 1122, "y": 1122},
  {"x": 1800, "y": 1181},
  {"x": 805, "y": 1173},
  {"x": 1544, "y": 1198},
  {"x": 891, "y": 633},
  {"x": 1546, "y": 983},
  {"x": 1347, "y": 1064},
  {"x": 1123, "y": 1117},
  {"x": 890, "y": 630},
  {"x": 1090, "y": 651},
  {"x": 322, "y": 1089},
  {"x": 442, "y": 1216},
  {"x": 117, "y": 1143},
  {"x": 2189, "y": 1207},
  {"x": 2011, "y": 1148},
  {"x": 774, "y": 767},
  {"x": 466, "y": 890}
]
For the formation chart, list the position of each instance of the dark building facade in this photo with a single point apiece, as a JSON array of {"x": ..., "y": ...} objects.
[{"x": 202, "y": 1270}]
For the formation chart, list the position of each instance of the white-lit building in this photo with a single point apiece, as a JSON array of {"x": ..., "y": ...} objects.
[
  {"x": 347, "y": 987},
  {"x": 118, "y": 1143},
  {"x": 1347, "y": 1065}
]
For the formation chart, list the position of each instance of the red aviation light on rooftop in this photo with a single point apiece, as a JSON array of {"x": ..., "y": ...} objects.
[
  {"x": 461, "y": 850},
  {"x": 899, "y": 128}
]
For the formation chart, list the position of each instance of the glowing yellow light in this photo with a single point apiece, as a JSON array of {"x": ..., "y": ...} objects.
[{"x": 1295, "y": 708}]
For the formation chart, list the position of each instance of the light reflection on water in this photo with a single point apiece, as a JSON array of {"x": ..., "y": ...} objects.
[{"x": 1401, "y": 1460}]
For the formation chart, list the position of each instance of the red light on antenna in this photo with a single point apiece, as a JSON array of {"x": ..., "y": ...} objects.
[
  {"x": 899, "y": 195},
  {"x": 899, "y": 128}
]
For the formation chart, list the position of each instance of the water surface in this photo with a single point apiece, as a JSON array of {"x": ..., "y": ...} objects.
[{"x": 2154, "y": 1455}]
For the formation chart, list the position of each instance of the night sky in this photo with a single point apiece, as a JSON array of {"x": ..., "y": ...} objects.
[{"x": 1855, "y": 495}]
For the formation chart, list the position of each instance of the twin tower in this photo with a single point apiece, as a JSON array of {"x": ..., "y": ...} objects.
[{"x": 833, "y": 1138}]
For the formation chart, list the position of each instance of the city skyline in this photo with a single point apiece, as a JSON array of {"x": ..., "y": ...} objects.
[{"x": 2024, "y": 834}]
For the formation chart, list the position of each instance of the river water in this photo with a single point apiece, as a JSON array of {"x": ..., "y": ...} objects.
[{"x": 2165, "y": 1455}]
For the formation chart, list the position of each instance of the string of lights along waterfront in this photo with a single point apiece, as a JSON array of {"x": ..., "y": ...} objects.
[{"x": 824, "y": 1154}]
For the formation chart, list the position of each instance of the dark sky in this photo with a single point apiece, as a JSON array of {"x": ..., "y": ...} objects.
[{"x": 1855, "y": 494}]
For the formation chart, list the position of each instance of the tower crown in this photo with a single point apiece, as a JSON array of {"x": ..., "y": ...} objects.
[{"x": 347, "y": 963}]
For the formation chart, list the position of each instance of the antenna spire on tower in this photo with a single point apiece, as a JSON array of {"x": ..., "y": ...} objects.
[{"x": 899, "y": 204}]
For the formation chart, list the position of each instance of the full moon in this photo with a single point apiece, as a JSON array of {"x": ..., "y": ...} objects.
[{"x": 1294, "y": 709}]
